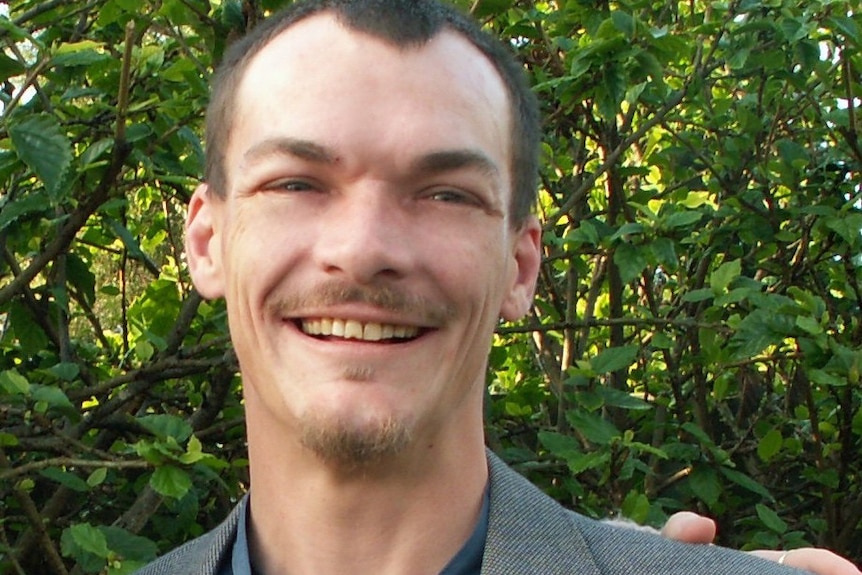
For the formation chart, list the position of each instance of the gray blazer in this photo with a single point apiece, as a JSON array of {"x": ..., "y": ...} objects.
[{"x": 528, "y": 534}]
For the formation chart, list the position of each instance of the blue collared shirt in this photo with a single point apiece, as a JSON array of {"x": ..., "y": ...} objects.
[{"x": 468, "y": 561}]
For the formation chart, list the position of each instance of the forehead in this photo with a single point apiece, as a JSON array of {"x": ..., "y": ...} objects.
[
  {"x": 322, "y": 81},
  {"x": 322, "y": 38}
]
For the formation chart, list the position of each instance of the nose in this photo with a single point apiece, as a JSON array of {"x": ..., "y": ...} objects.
[{"x": 364, "y": 237}]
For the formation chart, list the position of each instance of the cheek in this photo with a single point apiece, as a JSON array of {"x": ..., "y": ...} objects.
[
  {"x": 260, "y": 249},
  {"x": 473, "y": 272}
]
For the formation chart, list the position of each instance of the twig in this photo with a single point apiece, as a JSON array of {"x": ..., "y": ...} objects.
[{"x": 70, "y": 462}]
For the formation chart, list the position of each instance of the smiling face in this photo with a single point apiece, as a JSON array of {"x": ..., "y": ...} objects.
[{"x": 363, "y": 246}]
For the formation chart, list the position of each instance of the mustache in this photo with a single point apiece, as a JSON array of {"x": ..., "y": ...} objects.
[{"x": 333, "y": 293}]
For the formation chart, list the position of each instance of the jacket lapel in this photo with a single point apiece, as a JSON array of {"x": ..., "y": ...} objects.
[{"x": 528, "y": 532}]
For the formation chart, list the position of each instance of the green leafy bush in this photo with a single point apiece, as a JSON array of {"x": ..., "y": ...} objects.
[{"x": 696, "y": 341}]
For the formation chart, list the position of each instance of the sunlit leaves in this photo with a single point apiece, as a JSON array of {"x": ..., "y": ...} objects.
[{"x": 88, "y": 222}]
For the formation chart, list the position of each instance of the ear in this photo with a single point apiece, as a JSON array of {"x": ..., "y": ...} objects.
[
  {"x": 527, "y": 253},
  {"x": 203, "y": 248}
]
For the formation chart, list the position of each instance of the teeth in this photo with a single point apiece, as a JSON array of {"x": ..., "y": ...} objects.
[
  {"x": 372, "y": 332},
  {"x": 352, "y": 329},
  {"x": 337, "y": 328}
]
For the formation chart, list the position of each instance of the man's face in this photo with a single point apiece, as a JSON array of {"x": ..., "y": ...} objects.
[{"x": 364, "y": 246}]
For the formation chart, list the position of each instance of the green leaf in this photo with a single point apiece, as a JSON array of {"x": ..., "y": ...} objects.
[
  {"x": 144, "y": 350},
  {"x": 54, "y": 397},
  {"x": 84, "y": 537},
  {"x": 628, "y": 230},
  {"x": 10, "y": 67},
  {"x": 33, "y": 203},
  {"x": 594, "y": 427},
  {"x": 588, "y": 400},
  {"x": 770, "y": 444},
  {"x": 685, "y": 219},
  {"x": 848, "y": 226},
  {"x": 694, "y": 200},
  {"x": 705, "y": 485},
  {"x": 128, "y": 240},
  {"x": 82, "y": 277},
  {"x": 65, "y": 478},
  {"x": 83, "y": 53},
  {"x": 487, "y": 8},
  {"x": 163, "y": 426},
  {"x": 760, "y": 329},
  {"x": 14, "y": 383},
  {"x": 792, "y": 153},
  {"x": 825, "y": 378},
  {"x": 738, "y": 58},
  {"x": 770, "y": 518},
  {"x": 636, "y": 507},
  {"x": 563, "y": 446},
  {"x": 194, "y": 452},
  {"x": 721, "y": 278},
  {"x": 67, "y": 371},
  {"x": 630, "y": 260},
  {"x": 698, "y": 295},
  {"x": 8, "y": 440},
  {"x": 848, "y": 27},
  {"x": 614, "y": 359},
  {"x": 664, "y": 251},
  {"x": 40, "y": 143},
  {"x": 747, "y": 482},
  {"x": 585, "y": 233},
  {"x": 232, "y": 16},
  {"x": 30, "y": 336},
  {"x": 585, "y": 461},
  {"x": 624, "y": 400},
  {"x": 809, "y": 325},
  {"x": 171, "y": 481},
  {"x": 97, "y": 477},
  {"x": 699, "y": 433},
  {"x": 128, "y": 545},
  {"x": 623, "y": 22}
]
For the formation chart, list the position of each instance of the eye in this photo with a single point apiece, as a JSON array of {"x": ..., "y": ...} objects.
[
  {"x": 453, "y": 196},
  {"x": 291, "y": 185}
]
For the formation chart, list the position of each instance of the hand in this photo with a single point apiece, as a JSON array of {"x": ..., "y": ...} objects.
[
  {"x": 692, "y": 528},
  {"x": 820, "y": 561}
]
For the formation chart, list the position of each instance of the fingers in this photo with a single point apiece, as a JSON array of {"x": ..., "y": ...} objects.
[
  {"x": 819, "y": 561},
  {"x": 689, "y": 527}
]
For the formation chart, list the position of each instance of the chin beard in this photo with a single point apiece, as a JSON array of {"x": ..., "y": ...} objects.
[{"x": 349, "y": 445}]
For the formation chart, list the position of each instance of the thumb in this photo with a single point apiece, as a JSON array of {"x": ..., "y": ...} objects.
[{"x": 688, "y": 527}]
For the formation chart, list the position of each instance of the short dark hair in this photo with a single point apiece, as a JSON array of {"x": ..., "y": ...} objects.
[{"x": 404, "y": 23}]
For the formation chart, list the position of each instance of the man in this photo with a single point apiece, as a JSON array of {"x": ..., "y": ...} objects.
[{"x": 366, "y": 216}]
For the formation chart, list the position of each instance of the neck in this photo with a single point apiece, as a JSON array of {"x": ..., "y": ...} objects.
[{"x": 408, "y": 514}]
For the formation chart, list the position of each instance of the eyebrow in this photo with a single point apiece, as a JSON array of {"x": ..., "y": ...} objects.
[
  {"x": 302, "y": 149},
  {"x": 428, "y": 164},
  {"x": 447, "y": 160}
]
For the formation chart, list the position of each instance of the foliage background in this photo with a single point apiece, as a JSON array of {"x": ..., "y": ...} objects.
[{"x": 696, "y": 342}]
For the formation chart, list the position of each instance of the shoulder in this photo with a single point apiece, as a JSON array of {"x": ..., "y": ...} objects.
[
  {"x": 530, "y": 533},
  {"x": 200, "y": 556},
  {"x": 620, "y": 549}
]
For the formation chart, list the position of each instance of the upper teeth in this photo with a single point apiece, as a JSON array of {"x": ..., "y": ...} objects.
[{"x": 352, "y": 329}]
